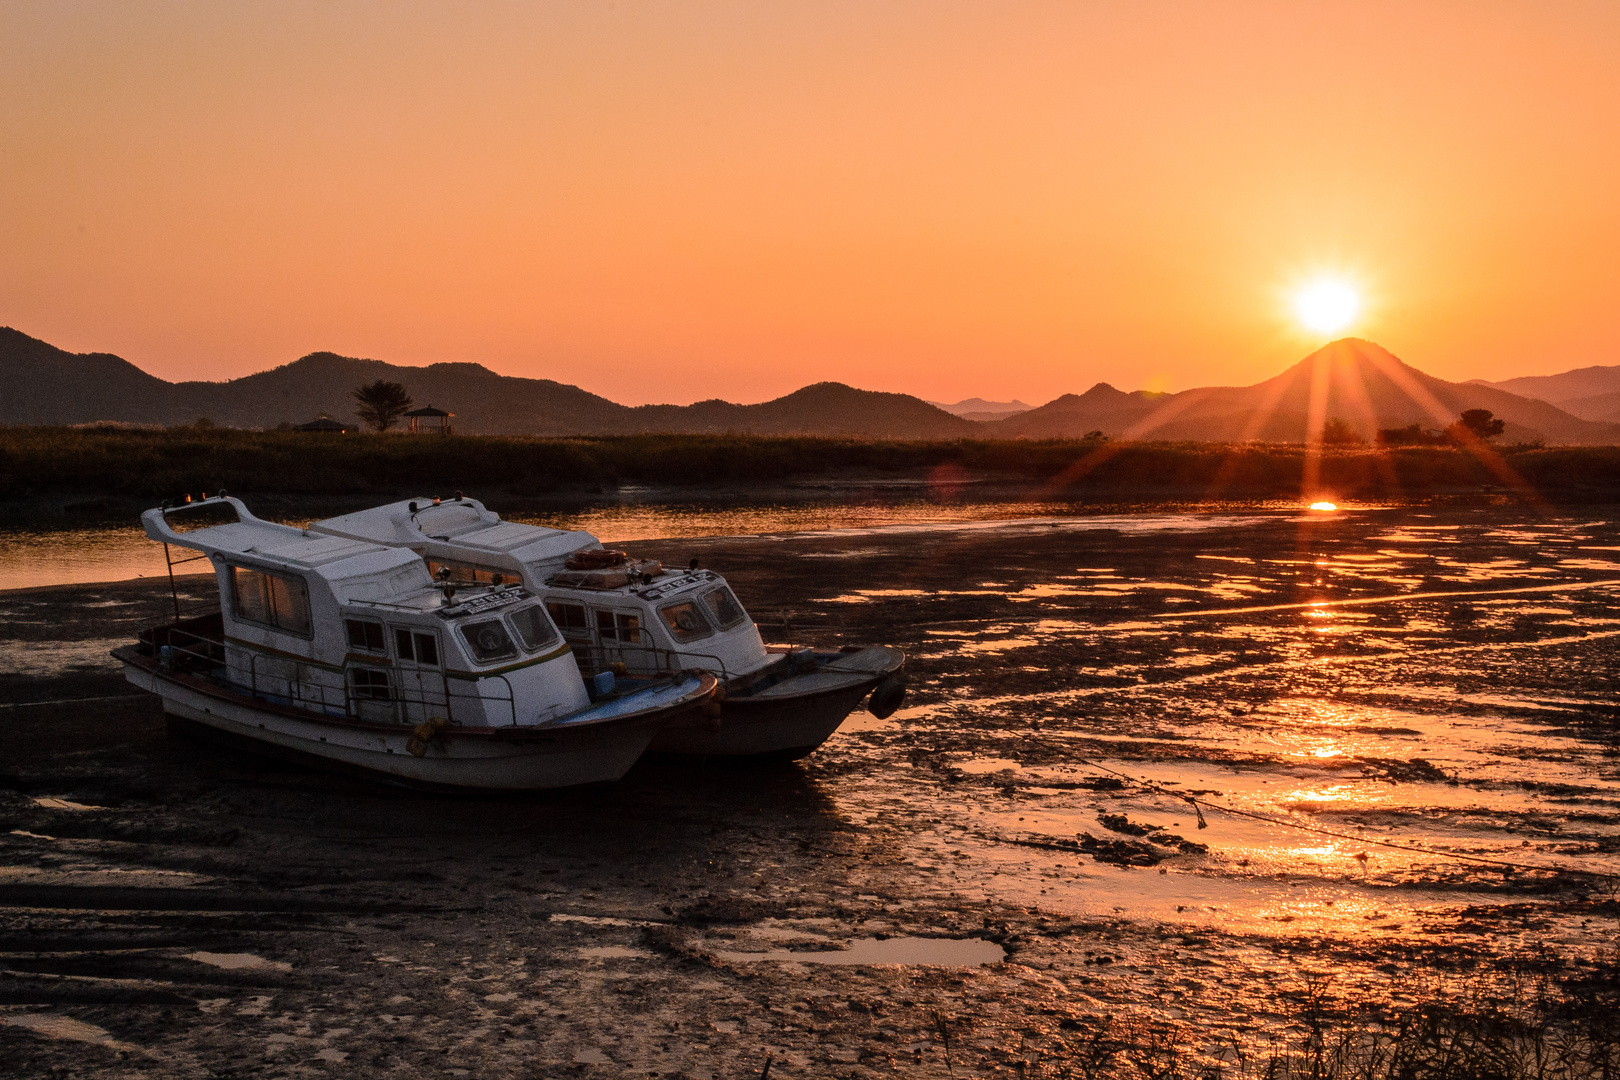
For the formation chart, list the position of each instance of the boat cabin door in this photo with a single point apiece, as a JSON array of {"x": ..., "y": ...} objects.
[
  {"x": 603, "y": 636},
  {"x": 419, "y": 670}
]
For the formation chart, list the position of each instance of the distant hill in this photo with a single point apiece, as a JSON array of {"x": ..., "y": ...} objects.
[
  {"x": 1358, "y": 382},
  {"x": 1601, "y": 407},
  {"x": 979, "y": 409},
  {"x": 1102, "y": 408},
  {"x": 41, "y": 384},
  {"x": 1592, "y": 393},
  {"x": 827, "y": 408}
]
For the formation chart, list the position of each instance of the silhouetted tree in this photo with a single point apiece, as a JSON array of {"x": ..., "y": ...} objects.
[
  {"x": 1475, "y": 424},
  {"x": 1482, "y": 423},
  {"x": 1410, "y": 435},
  {"x": 1338, "y": 433},
  {"x": 382, "y": 403}
]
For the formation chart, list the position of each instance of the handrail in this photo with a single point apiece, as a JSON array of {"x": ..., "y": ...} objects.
[
  {"x": 302, "y": 690},
  {"x": 662, "y": 659}
]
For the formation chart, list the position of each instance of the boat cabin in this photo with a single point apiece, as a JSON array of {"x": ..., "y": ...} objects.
[
  {"x": 350, "y": 627},
  {"x": 612, "y": 609}
]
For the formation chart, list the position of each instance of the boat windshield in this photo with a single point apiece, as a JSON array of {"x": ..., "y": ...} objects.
[
  {"x": 724, "y": 608},
  {"x": 489, "y": 641},
  {"x": 533, "y": 628},
  {"x": 686, "y": 621}
]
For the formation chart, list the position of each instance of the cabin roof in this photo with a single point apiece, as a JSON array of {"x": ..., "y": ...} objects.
[
  {"x": 267, "y": 542},
  {"x": 464, "y": 523}
]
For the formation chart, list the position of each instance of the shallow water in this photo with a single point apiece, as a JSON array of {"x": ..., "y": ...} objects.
[
  {"x": 1400, "y": 729},
  {"x": 31, "y": 558}
]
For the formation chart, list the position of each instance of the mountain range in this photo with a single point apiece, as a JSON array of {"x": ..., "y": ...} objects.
[
  {"x": 1355, "y": 381},
  {"x": 976, "y": 408},
  {"x": 1592, "y": 393}
]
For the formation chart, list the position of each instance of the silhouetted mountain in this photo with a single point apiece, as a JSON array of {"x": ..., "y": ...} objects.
[
  {"x": 1604, "y": 408},
  {"x": 1354, "y": 380},
  {"x": 976, "y": 408},
  {"x": 1102, "y": 408},
  {"x": 41, "y": 384},
  {"x": 1565, "y": 386},
  {"x": 827, "y": 408},
  {"x": 1591, "y": 393}
]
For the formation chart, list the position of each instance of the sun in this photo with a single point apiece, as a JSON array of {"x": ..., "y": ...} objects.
[{"x": 1326, "y": 305}]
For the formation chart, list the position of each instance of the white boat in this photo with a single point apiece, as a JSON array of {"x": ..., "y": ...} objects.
[
  {"x": 347, "y": 653},
  {"x": 626, "y": 615}
]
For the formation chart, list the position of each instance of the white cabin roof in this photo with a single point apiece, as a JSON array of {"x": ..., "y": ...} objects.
[
  {"x": 269, "y": 543},
  {"x": 464, "y": 523}
]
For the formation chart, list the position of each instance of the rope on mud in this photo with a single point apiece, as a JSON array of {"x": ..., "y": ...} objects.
[
  {"x": 69, "y": 701},
  {"x": 1196, "y": 803}
]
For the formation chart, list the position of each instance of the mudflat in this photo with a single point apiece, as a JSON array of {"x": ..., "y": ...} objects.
[{"x": 1168, "y": 789}]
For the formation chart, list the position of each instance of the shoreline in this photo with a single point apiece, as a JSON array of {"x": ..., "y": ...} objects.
[{"x": 82, "y": 476}]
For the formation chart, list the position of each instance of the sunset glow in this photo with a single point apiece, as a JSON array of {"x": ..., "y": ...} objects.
[
  {"x": 1327, "y": 306},
  {"x": 666, "y": 203}
]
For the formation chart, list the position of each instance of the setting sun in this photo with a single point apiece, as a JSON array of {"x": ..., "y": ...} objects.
[{"x": 1326, "y": 306}]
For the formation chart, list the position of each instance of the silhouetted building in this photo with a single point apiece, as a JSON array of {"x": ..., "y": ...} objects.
[
  {"x": 430, "y": 421},
  {"x": 327, "y": 424}
]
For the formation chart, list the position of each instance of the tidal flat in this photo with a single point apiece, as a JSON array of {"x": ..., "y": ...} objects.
[{"x": 1170, "y": 792}]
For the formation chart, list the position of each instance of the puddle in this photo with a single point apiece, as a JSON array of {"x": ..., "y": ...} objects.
[
  {"x": 615, "y": 952},
  {"x": 39, "y": 658},
  {"x": 597, "y": 920},
  {"x": 988, "y": 765},
  {"x": 63, "y": 804},
  {"x": 65, "y": 1027},
  {"x": 238, "y": 961},
  {"x": 908, "y": 951}
]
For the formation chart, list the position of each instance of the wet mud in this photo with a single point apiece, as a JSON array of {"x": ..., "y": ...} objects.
[{"x": 1182, "y": 775}]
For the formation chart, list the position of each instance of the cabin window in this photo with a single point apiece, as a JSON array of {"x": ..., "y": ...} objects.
[
  {"x": 469, "y": 574},
  {"x": 488, "y": 641},
  {"x": 417, "y": 647},
  {"x": 370, "y": 684},
  {"x": 618, "y": 626},
  {"x": 277, "y": 600},
  {"x": 724, "y": 607},
  {"x": 685, "y": 621},
  {"x": 570, "y": 619},
  {"x": 533, "y": 628},
  {"x": 364, "y": 635}
]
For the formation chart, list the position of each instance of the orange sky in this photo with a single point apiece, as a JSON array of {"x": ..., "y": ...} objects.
[{"x": 671, "y": 201}]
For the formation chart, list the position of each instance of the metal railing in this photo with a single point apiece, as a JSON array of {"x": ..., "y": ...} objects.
[
  {"x": 296, "y": 683},
  {"x": 641, "y": 658}
]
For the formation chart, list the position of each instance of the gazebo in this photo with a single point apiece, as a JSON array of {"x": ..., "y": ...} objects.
[
  {"x": 430, "y": 421},
  {"x": 325, "y": 423}
]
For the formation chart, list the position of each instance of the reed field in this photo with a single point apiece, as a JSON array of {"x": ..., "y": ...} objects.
[{"x": 58, "y": 462}]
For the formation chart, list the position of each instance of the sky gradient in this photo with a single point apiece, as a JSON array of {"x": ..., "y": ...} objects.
[{"x": 668, "y": 202}]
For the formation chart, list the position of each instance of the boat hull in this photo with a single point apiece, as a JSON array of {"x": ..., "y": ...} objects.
[
  {"x": 458, "y": 759},
  {"x": 789, "y": 719}
]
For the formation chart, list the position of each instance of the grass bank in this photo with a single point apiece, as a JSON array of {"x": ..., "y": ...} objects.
[{"x": 67, "y": 463}]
